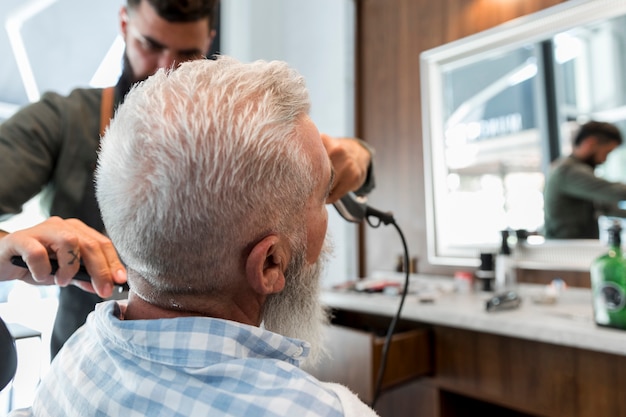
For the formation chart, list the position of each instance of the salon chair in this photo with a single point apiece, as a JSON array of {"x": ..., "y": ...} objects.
[{"x": 8, "y": 353}]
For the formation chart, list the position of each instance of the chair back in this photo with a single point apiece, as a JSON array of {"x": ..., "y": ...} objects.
[{"x": 8, "y": 353}]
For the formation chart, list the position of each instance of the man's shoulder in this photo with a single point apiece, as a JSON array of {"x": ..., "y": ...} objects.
[
  {"x": 78, "y": 96},
  {"x": 81, "y": 107},
  {"x": 568, "y": 165}
]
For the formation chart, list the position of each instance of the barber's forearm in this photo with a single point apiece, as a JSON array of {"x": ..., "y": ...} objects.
[{"x": 612, "y": 210}]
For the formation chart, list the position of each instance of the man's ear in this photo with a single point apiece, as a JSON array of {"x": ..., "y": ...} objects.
[
  {"x": 588, "y": 146},
  {"x": 592, "y": 140},
  {"x": 123, "y": 21},
  {"x": 266, "y": 265}
]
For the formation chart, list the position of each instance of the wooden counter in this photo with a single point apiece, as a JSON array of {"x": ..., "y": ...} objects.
[{"x": 538, "y": 360}]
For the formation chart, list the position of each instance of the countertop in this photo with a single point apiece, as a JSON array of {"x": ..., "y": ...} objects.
[{"x": 567, "y": 322}]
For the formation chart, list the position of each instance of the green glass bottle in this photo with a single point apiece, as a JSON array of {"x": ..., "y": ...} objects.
[{"x": 608, "y": 283}]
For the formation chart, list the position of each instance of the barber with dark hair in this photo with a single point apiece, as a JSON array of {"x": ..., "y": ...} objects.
[{"x": 574, "y": 195}]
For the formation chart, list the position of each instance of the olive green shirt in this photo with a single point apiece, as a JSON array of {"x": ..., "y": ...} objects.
[
  {"x": 51, "y": 146},
  {"x": 574, "y": 197}
]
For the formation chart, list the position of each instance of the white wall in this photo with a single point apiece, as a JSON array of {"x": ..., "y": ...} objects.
[{"x": 316, "y": 38}]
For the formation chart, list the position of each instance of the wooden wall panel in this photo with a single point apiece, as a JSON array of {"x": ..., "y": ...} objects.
[{"x": 391, "y": 34}]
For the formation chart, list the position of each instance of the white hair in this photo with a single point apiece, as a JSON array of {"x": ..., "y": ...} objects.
[{"x": 200, "y": 162}]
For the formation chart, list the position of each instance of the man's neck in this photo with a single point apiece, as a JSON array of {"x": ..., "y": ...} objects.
[
  {"x": 248, "y": 312},
  {"x": 140, "y": 309},
  {"x": 585, "y": 159}
]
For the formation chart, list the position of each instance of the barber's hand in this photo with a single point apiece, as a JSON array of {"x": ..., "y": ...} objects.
[
  {"x": 69, "y": 241},
  {"x": 350, "y": 160}
]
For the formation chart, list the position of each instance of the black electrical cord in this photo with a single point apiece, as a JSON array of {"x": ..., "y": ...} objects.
[
  {"x": 354, "y": 210},
  {"x": 394, "y": 321}
]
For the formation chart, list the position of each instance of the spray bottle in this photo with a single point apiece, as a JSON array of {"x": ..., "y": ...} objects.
[{"x": 506, "y": 278}]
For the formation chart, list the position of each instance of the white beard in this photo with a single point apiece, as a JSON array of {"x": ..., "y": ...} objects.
[{"x": 297, "y": 311}]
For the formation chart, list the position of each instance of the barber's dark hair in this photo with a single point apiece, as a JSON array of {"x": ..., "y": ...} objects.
[
  {"x": 181, "y": 10},
  {"x": 605, "y": 132}
]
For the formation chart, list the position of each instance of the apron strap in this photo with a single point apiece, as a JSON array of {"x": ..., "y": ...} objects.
[{"x": 106, "y": 108}]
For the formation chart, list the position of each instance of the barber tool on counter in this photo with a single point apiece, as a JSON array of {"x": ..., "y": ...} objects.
[{"x": 506, "y": 301}]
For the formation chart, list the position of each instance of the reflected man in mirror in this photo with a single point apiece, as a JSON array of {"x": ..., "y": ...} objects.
[{"x": 574, "y": 196}]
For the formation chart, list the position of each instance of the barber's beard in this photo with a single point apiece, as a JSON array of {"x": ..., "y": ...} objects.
[
  {"x": 127, "y": 77},
  {"x": 297, "y": 310}
]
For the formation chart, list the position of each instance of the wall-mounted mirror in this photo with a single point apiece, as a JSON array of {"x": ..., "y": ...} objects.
[{"x": 500, "y": 105}]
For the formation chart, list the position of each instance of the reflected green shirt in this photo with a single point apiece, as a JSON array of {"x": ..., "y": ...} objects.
[{"x": 574, "y": 197}]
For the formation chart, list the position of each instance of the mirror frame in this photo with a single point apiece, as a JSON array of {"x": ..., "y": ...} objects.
[{"x": 532, "y": 28}]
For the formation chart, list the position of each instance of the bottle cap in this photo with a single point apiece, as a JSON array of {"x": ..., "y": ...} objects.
[
  {"x": 615, "y": 233},
  {"x": 504, "y": 247},
  {"x": 486, "y": 262}
]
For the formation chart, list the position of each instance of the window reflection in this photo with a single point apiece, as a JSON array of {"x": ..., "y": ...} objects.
[{"x": 492, "y": 149}]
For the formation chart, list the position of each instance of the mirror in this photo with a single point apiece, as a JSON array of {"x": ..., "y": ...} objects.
[{"x": 500, "y": 105}]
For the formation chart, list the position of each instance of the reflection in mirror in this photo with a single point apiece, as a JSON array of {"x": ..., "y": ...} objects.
[
  {"x": 492, "y": 148},
  {"x": 500, "y": 106},
  {"x": 589, "y": 63}
]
